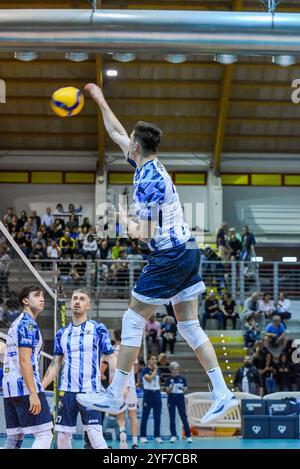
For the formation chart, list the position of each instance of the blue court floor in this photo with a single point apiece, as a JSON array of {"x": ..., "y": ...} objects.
[{"x": 198, "y": 443}]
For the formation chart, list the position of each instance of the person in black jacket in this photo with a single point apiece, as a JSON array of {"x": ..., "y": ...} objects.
[{"x": 248, "y": 378}]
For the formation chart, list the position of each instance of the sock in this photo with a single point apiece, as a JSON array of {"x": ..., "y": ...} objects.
[
  {"x": 134, "y": 440},
  {"x": 122, "y": 429},
  {"x": 217, "y": 380},
  {"x": 119, "y": 382}
]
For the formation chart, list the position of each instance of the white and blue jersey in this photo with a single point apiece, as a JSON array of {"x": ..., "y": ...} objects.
[
  {"x": 172, "y": 272},
  {"x": 178, "y": 384},
  {"x": 24, "y": 332},
  {"x": 81, "y": 347},
  {"x": 153, "y": 385},
  {"x": 156, "y": 199}
]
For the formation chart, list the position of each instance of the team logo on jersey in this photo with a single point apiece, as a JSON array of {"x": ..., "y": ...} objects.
[
  {"x": 6, "y": 370},
  {"x": 30, "y": 327}
]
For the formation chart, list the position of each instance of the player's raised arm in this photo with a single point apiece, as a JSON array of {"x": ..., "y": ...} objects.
[{"x": 113, "y": 126}]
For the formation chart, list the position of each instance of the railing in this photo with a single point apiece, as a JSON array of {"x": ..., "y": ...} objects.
[{"x": 115, "y": 278}]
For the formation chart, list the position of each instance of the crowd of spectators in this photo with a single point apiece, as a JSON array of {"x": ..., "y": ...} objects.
[
  {"x": 233, "y": 246},
  {"x": 264, "y": 373},
  {"x": 69, "y": 238},
  {"x": 63, "y": 234}
]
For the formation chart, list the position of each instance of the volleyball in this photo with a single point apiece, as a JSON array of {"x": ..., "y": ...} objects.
[{"x": 67, "y": 102}]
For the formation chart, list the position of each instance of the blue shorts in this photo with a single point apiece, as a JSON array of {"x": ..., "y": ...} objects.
[
  {"x": 171, "y": 275},
  {"x": 20, "y": 420},
  {"x": 67, "y": 412}
]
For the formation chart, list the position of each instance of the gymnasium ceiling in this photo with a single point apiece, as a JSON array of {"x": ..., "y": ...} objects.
[{"x": 184, "y": 99}]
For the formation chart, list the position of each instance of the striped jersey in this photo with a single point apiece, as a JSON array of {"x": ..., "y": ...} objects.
[
  {"x": 24, "y": 332},
  {"x": 81, "y": 347},
  {"x": 156, "y": 199}
]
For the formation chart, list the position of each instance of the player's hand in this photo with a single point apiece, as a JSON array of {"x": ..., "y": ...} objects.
[
  {"x": 94, "y": 91},
  {"x": 35, "y": 404}
]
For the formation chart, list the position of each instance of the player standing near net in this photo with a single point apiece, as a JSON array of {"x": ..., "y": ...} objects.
[
  {"x": 79, "y": 346},
  {"x": 25, "y": 404},
  {"x": 173, "y": 269},
  {"x": 131, "y": 401}
]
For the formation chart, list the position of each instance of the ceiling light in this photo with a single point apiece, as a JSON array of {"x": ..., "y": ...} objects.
[
  {"x": 126, "y": 57},
  {"x": 283, "y": 60},
  {"x": 257, "y": 259},
  {"x": 26, "y": 56},
  {"x": 175, "y": 58},
  {"x": 226, "y": 59},
  {"x": 289, "y": 259},
  {"x": 77, "y": 56},
  {"x": 112, "y": 73}
]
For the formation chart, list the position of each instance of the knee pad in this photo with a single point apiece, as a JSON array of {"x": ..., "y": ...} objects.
[
  {"x": 192, "y": 332},
  {"x": 42, "y": 440},
  {"x": 14, "y": 441},
  {"x": 95, "y": 435},
  {"x": 64, "y": 440},
  {"x": 133, "y": 326}
]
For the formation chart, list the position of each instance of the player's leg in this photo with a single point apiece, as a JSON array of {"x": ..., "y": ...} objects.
[
  {"x": 92, "y": 424},
  {"x": 40, "y": 425},
  {"x": 134, "y": 427},
  {"x": 148, "y": 404},
  {"x": 133, "y": 325},
  {"x": 14, "y": 441},
  {"x": 157, "y": 415},
  {"x": 42, "y": 439},
  {"x": 172, "y": 418},
  {"x": 122, "y": 431},
  {"x": 186, "y": 313},
  {"x": 95, "y": 434},
  {"x": 64, "y": 440},
  {"x": 182, "y": 413},
  {"x": 66, "y": 419},
  {"x": 132, "y": 403},
  {"x": 14, "y": 432}
]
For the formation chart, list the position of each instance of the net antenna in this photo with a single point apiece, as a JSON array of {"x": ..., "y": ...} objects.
[{"x": 271, "y": 5}]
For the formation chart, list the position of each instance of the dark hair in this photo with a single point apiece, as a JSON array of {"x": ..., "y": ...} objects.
[
  {"x": 148, "y": 135},
  {"x": 283, "y": 354},
  {"x": 117, "y": 334},
  {"x": 25, "y": 292},
  {"x": 228, "y": 294},
  {"x": 152, "y": 355}
]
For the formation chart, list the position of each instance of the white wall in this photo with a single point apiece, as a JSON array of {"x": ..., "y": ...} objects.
[
  {"x": 271, "y": 209},
  {"x": 187, "y": 194},
  {"x": 39, "y": 196}
]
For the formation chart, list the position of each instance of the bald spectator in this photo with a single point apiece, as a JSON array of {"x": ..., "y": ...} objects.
[
  {"x": 39, "y": 239},
  {"x": 248, "y": 378},
  {"x": 276, "y": 332},
  {"x": 252, "y": 308}
]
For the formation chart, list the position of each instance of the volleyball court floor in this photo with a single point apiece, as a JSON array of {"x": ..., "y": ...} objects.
[{"x": 198, "y": 443}]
